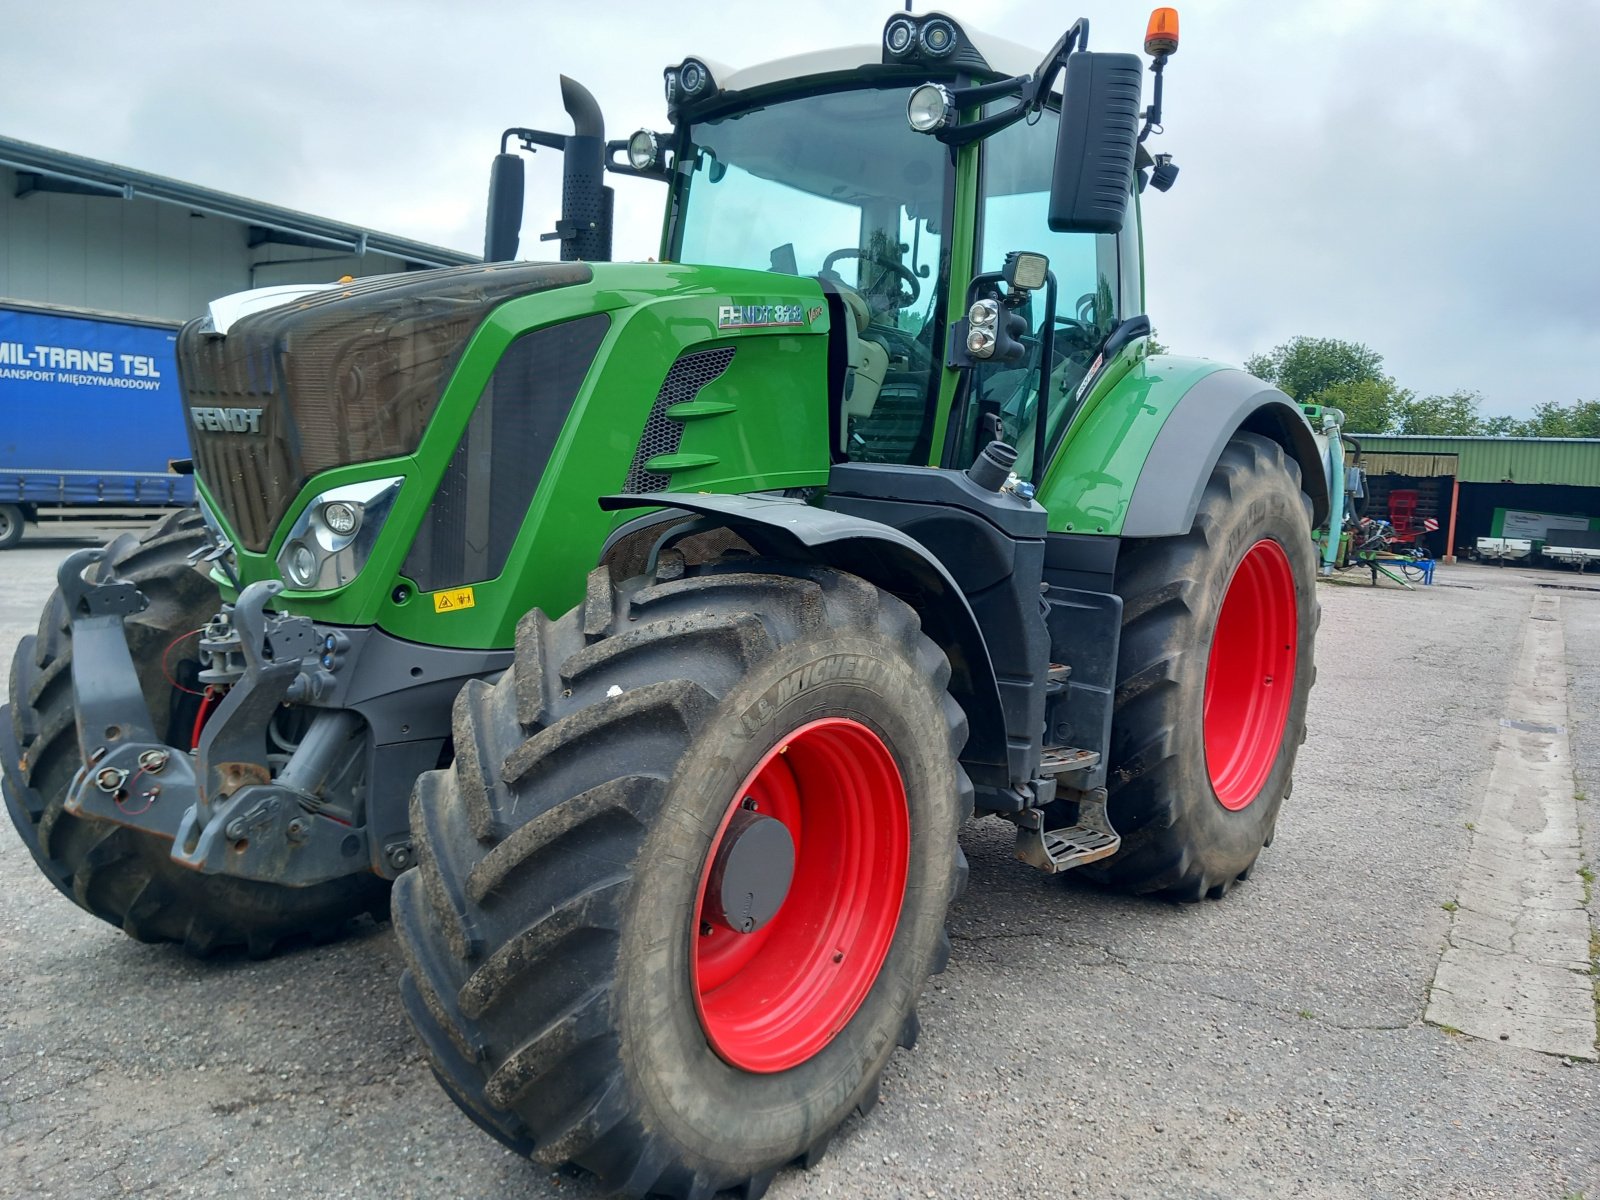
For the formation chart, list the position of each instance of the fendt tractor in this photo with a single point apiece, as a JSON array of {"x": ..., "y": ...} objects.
[{"x": 870, "y": 508}]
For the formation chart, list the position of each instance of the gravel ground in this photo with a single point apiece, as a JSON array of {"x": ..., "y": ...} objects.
[{"x": 1080, "y": 1044}]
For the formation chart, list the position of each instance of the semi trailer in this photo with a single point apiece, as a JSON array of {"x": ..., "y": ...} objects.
[{"x": 90, "y": 418}]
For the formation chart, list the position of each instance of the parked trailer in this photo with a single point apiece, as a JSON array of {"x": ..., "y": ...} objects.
[
  {"x": 1504, "y": 549},
  {"x": 1578, "y": 548},
  {"x": 89, "y": 414}
]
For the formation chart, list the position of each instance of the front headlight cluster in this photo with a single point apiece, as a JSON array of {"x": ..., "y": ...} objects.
[{"x": 333, "y": 536}]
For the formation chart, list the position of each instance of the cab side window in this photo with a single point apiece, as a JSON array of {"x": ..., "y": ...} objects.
[{"x": 1096, "y": 280}]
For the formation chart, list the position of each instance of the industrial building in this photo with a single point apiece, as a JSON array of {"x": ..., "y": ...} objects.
[
  {"x": 1469, "y": 484},
  {"x": 99, "y": 266},
  {"x": 79, "y": 233}
]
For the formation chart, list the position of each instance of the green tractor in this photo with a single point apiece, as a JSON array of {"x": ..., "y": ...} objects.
[{"x": 869, "y": 509}]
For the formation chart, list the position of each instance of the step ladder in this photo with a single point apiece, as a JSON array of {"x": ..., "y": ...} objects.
[{"x": 1056, "y": 850}]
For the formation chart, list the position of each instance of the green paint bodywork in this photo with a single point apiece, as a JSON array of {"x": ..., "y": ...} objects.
[
  {"x": 761, "y": 426},
  {"x": 1089, "y": 483}
]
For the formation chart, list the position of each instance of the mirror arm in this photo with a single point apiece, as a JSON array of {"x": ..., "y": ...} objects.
[
  {"x": 1032, "y": 91},
  {"x": 532, "y": 138}
]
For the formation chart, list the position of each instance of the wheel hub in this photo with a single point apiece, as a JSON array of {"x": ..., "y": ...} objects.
[
  {"x": 800, "y": 895},
  {"x": 1250, "y": 675},
  {"x": 751, "y": 872}
]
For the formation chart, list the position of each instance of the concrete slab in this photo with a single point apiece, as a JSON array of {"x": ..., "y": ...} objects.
[{"x": 1516, "y": 966}]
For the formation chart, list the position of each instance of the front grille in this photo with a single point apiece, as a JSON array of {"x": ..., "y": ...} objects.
[
  {"x": 346, "y": 376},
  {"x": 662, "y": 434}
]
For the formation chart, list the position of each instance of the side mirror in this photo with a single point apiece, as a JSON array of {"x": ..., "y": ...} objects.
[
  {"x": 505, "y": 209},
  {"x": 1095, "y": 146}
]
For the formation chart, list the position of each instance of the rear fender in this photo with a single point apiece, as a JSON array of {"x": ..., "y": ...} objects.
[
  {"x": 883, "y": 556},
  {"x": 1191, "y": 440}
]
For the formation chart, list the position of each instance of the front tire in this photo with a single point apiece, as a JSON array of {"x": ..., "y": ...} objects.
[
  {"x": 1213, "y": 674},
  {"x": 580, "y": 994},
  {"x": 124, "y": 876}
]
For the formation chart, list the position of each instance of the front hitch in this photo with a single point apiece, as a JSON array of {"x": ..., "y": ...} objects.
[{"x": 222, "y": 808}]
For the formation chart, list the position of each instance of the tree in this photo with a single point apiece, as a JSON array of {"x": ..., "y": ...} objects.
[
  {"x": 1305, "y": 366},
  {"x": 1501, "y": 426},
  {"x": 1580, "y": 419},
  {"x": 1455, "y": 415},
  {"x": 1369, "y": 405}
]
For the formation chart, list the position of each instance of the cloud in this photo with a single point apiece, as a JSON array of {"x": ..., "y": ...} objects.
[{"x": 1410, "y": 176}]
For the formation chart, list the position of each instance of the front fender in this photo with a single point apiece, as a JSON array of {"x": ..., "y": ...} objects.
[{"x": 882, "y": 555}]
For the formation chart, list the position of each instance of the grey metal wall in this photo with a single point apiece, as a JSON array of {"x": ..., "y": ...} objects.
[{"x": 143, "y": 257}]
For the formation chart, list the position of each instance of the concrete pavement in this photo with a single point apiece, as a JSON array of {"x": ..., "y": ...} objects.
[{"x": 1081, "y": 1044}]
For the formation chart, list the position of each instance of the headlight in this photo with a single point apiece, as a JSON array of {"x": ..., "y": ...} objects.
[
  {"x": 931, "y": 106},
  {"x": 333, "y": 537},
  {"x": 300, "y": 565},
  {"x": 341, "y": 517},
  {"x": 644, "y": 150}
]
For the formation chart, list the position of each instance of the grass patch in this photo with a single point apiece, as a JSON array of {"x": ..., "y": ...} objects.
[
  {"x": 1307, "y": 1015},
  {"x": 1587, "y": 875},
  {"x": 1449, "y": 906},
  {"x": 1450, "y": 1029},
  {"x": 1594, "y": 970},
  {"x": 1472, "y": 826}
]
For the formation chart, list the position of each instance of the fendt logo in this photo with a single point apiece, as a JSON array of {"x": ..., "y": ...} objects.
[{"x": 227, "y": 420}]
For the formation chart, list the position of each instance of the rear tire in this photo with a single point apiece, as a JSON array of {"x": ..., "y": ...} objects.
[
  {"x": 553, "y": 931},
  {"x": 12, "y": 520},
  {"x": 124, "y": 876},
  {"x": 1195, "y": 791}
]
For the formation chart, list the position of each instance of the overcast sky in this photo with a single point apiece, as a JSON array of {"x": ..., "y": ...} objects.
[{"x": 1419, "y": 175}]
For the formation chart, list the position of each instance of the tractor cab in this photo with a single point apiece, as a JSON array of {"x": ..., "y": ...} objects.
[{"x": 902, "y": 176}]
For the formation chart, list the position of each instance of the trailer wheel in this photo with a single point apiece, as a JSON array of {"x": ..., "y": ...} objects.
[
  {"x": 1213, "y": 674},
  {"x": 12, "y": 520},
  {"x": 679, "y": 893},
  {"x": 124, "y": 876}
]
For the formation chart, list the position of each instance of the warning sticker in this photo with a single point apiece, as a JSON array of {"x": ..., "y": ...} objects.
[{"x": 453, "y": 600}]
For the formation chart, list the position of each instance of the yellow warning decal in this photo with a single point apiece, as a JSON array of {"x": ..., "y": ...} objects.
[{"x": 453, "y": 600}]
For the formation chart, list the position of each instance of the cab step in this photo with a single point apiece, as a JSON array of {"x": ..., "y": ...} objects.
[
  {"x": 1066, "y": 760},
  {"x": 1056, "y": 850}
]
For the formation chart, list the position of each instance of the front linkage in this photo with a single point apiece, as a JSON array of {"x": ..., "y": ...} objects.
[{"x": 301, "y": 771}]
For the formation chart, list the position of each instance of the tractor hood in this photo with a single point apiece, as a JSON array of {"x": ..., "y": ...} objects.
[{"x": 338, "y": 376}]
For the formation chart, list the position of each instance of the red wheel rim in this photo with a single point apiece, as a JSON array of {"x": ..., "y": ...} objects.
[
  {"x": 771, "y": 999},
  {"x": 1250, "y": 676}
]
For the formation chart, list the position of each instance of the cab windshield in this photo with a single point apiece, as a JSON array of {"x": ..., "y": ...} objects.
[{"x": 837, "y": 186}]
